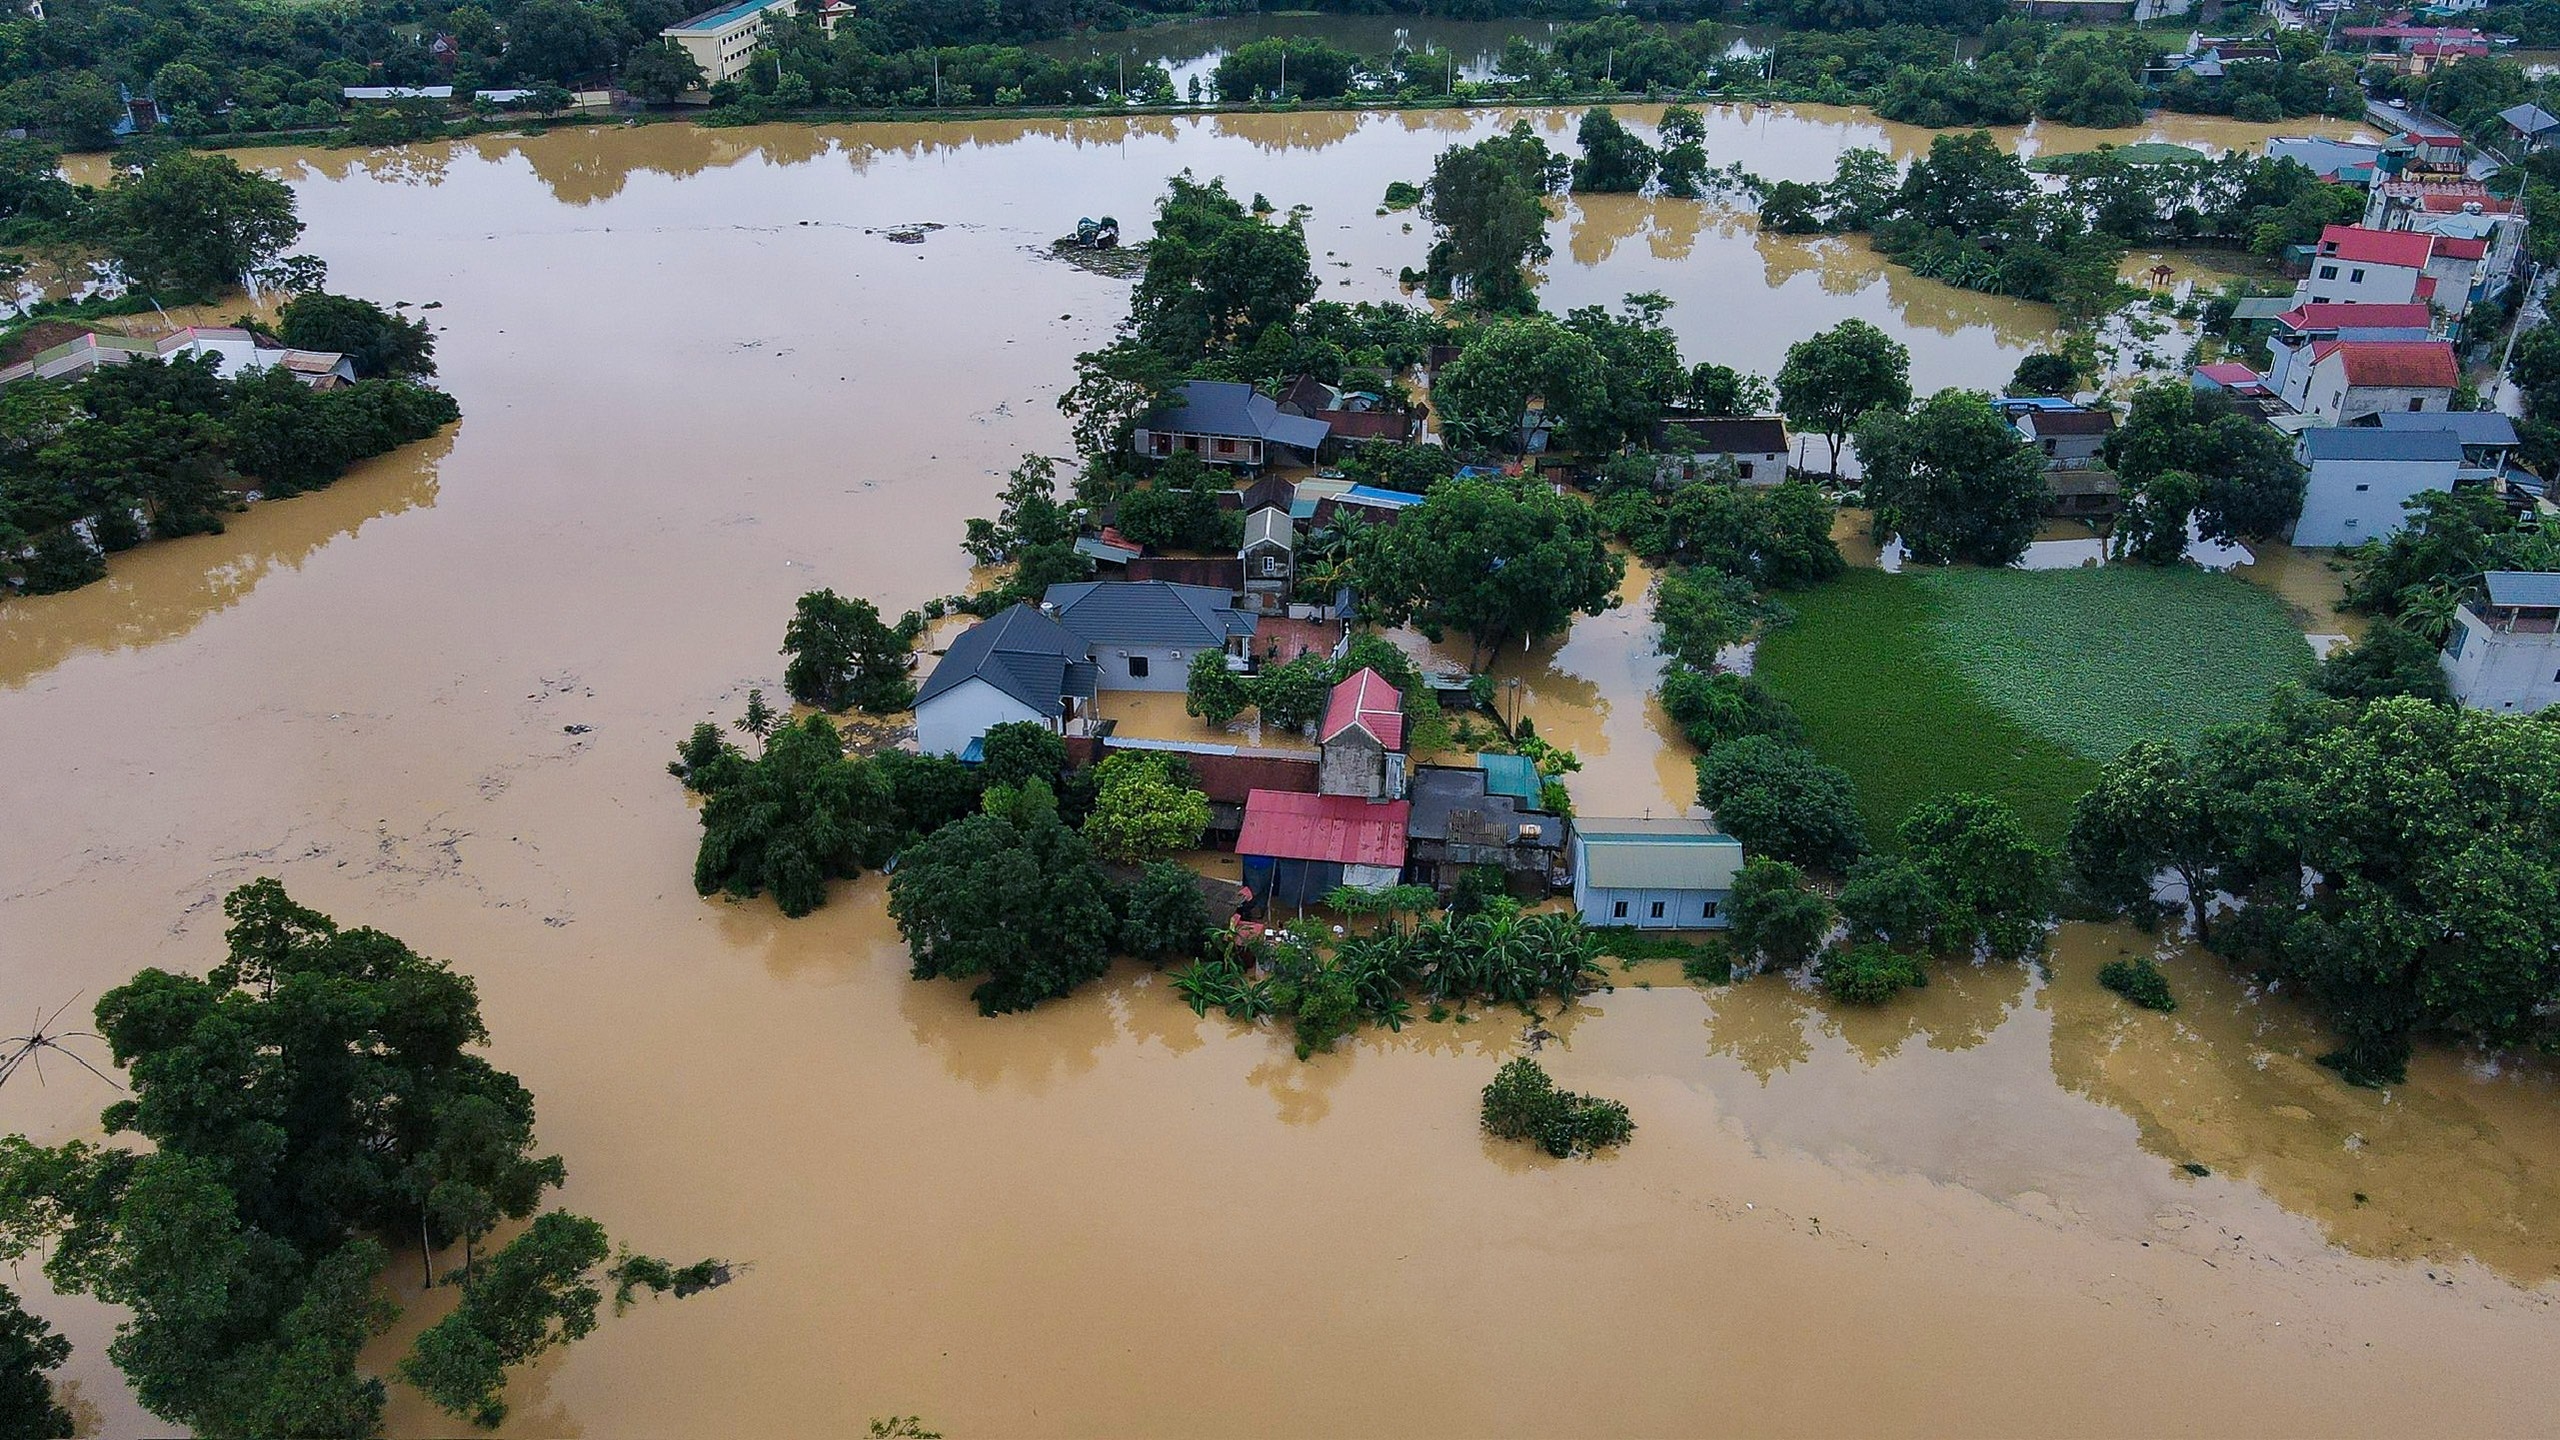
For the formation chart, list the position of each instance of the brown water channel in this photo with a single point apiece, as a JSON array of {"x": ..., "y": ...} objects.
[{"x": 698, "y": 380}]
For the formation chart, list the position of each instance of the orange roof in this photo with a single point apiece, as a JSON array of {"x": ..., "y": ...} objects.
[
  {"x": 1365, "y": 699},
  {"x": 2403, "y": 364}
]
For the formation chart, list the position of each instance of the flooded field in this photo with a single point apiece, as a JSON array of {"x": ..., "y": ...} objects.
[{"x": 698, "y": 379}]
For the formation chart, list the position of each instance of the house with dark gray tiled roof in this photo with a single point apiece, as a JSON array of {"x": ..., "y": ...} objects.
[
  {"x": 1017, "y": 664},
  {"x": 1142, "y": 634},
  {"x": 1227, "y": 423}
]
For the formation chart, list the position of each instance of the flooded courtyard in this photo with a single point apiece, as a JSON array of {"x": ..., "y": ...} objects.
[{"x": 698, "y": 379}]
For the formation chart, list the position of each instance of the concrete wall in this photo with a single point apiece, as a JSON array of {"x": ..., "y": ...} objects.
[
  {"x": 1168, "y": 666},
  {"x": 2334, "y": 279},
  {"x": 1352, "y": 765},
  {"x": 1681, "y": 909},
  {"x": 2348, "y": 502},
  {"x": 949, "y": 721},
  {"x": 2329, "y": 398},
  {"x": 2508, "y": 673}
]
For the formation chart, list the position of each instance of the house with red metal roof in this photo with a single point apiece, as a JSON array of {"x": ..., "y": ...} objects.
[
  {"x": 1296, "y": 848},
  {"x": 2351, "y": 380},
  {"x": 2367, "y": 267}
]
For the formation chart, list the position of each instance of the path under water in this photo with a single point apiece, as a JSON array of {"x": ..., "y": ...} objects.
[{"x": 698, "y": 380}]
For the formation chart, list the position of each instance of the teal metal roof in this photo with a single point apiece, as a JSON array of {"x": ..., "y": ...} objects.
[{"x": 1513, "y": 775}]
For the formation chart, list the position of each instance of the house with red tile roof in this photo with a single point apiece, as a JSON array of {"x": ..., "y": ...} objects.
[
  {"x": 2350, "y": 380},
  {"x": 2298, "y": 329}
]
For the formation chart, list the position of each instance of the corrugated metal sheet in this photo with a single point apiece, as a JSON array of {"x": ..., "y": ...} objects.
[
  {"x": 1512, "y": 775},
  {"x": 1364, "y": 698},
  {"x": 1339, "y": 829},
  {"x": 1656, "y": 855}
]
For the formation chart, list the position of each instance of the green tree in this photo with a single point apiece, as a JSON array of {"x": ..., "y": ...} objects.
[
  {"x": 1211, "y": 691},
  {"x": 1781, "y": 802},
  {"x": 1217, "y": 275},
  {"x": 2045, "y": 373},
  {"x": 1163, "y": 916},
  {"x": 377, "y": 340},
  {"x": 2244, "y": 481},
  {"x": 1711, "y": 709},
  {"x": 2092, "y": 80},
  {"x": 1891, "y": 899},
  {"x": 1998, "y": 882},
  {"x": 195, "y": 225},
  {"x": 1613, "y": 160},
  {"x": 1488, "y": 211},
  {"x": 1292, "y": 696},
  {"x": 1284, "y": 67},
  {"x": 2391, "y": 659},
  {"x": 841, "y": 653},
  {"x": 1142, "y": 810},
  {"x": 538, "y": 1292},
  {"x": 1483, "y": 396},
  {"x": 1009, "y": 897},
  {"x": 1722, "y": 390},
  {"x": 2150, "y": 812},
  {"x": 1835, "y": 377},
  {"x": 801, "y": 814},
  {"x": 1869, "y": 974},
  {"x": 1952, "y": 479},
  {"x": 1777, "y": 919},
  {"x": 28, "y": 1348},
  {"x": 660, "y": 71},
  {"x": 1495, "y": 559},
  {"x": 1523, "y": 1103},
  {"x": 564, "y": 41}
]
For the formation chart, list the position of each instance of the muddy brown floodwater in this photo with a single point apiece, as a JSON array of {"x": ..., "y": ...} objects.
[{"x": 699, "y": 379}]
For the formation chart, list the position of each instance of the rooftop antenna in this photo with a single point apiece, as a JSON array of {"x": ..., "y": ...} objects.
[{"x": 20, "y": 1051}]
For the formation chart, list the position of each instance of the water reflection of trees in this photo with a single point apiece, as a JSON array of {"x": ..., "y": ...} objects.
[
  {"x": 2461, "y": 1162},
  {"x": 1028, "y": 1053},
  {"x": 165, "y": 589},
  {"x": 1766, "y": 1024}
]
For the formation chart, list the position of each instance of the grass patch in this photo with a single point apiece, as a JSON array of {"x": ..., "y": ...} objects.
[
  {"x": 2095, "y": 660},
  {"x": 2019, "y": 683},
  {"x": 1878, "y": 702}
]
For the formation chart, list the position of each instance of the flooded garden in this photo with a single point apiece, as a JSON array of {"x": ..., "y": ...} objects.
[{"x": 700, "y": 378}]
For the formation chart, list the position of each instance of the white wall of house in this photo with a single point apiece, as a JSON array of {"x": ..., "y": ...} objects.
[
  {"x": 2329, "y": 399},
  {"x": 2348, "y": 502},
  {"x": 2357, "y": 282},
  {"x": 947, "y": 723},
  {"x": 1166, "y": 667},
  {"x": 2506, "y": 672}
]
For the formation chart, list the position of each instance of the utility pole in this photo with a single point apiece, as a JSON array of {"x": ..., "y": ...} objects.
[{"x": 1284, "y": 72}]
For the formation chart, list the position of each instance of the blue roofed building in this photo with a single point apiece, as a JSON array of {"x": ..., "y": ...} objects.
[
  {"x": 1224, "y": 422},
  {"x": 2362, "y": 475},
  {"x": 1671, "y": 874},
  {"x": 1016, "y": 664}
]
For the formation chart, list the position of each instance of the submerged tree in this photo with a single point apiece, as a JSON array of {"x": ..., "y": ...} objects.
[
  {"x": 1495, "y": 559},
  {"x": 317, "y": 1088},
  {"x": 1010, "y": 897},
  {"x": 1487, "y": 205},
  {"x": 28, "y": 1348},
  {"x": 1952, "y": 479},
  {"x": 842, "y": 653}
]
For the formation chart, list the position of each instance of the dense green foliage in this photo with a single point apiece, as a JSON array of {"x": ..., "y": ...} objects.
[
  {"x": 1011, "y": 897},
  {"x": 1869, "y": 974},
  {"x": 1833, "y": 378},
  {"x": 842, "y": 653},
  {"x": 1143, "y": 808},
  {"x": 380, "y": 342},
  {"x": 1773, "y": 537},
  {"x": 153, "y": 448},
  {"x": 2139, "y": 981},
  {"x": 1495, "y": 559},
  {"x": 1776, "y": 918},
  {"x": 316, "y": 1089},
  {"x": 1523, "y": 1103},
  {"x": 798, "y": 815},
  {"x": 1488, "y": 212},
  {"x": 1163, "y": 916},
  {"x": 28, "y": 1348},
  {"x": 2392, "y": 857},
  {"x": 2182, "y": 453},
  {"x": 2434, "y": 561},
  {"x": 1781, "y": 801},
  {"x": 1953, "y": 479}
]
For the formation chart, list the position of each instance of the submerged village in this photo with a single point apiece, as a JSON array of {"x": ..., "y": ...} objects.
[{"x": 1804, "y": 676}]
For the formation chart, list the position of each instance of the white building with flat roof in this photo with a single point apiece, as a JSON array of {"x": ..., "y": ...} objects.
[{"x": 2504, "y": 651}]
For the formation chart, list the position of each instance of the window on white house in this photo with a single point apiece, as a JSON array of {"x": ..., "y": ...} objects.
[
  {"x": 2328, "y": 272},
  {"x": 1618, "y": 911},
  {"x": 1657, "y": 909},
  {"x": 2356, "y": 277},
  {"x": 1709, "y": 913},
  {"x": 2418, "y": 404},
  {"x": 1743, "y": 470},
  {"x": 1137, "y": 667},
  {"x": 2364, "y": 487},
  {"x": 2351, "y": 524}
]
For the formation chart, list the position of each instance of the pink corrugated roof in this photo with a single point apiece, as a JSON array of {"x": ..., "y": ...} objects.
[
  {"x": 1364, "y": 698},
  {"x": 1340, "y": 829}
]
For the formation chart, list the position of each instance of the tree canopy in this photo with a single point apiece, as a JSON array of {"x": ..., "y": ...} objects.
[
  {"x": 1494, "y": 558},
  {"x": 1833, "y": 378},
  {"x": 1010, "y": 897},
  {"x": 1953, "y": 479},
  {"x": 1488, "y": 211}
]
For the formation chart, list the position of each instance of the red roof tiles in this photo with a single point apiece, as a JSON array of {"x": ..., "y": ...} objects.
[
  {"x": 1339, "y": 829},
  {"x": 1365, "y": 699},
  {"x": 2401, "y": 364},
  {"x": 2344, "y": 315},
  {"x": 2375, "y": 247}
]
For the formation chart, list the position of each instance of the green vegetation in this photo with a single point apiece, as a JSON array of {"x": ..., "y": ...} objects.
[
  {"x": 162, "y": 448},
  {"x": 1523, "y": 1103},
  {"x": 316, "y": 1090},
  {"x": 2392, "y": 857},
  {"x": 1869, "y": 974},
  {"x": 2139, "y": 981},
  {"x": 1859, "y": 671},
  {"x": 1144, "y": 807},
  {"x": 28, "y": 1348},
  {"x": 1495, "y": 559},
  {"x": 841, "y": 653},
  {"x": 2097, "y": 659},
  {"x": 1011, "y": 897}
]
